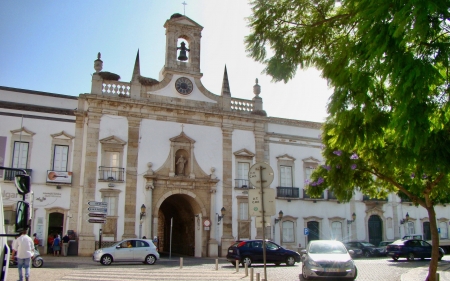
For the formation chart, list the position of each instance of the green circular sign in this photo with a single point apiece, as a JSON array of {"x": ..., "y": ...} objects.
[{"x": 255, "y": 209}]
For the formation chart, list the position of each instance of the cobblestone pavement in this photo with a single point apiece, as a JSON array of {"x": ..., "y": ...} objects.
[{"x": 83, "y": 268}]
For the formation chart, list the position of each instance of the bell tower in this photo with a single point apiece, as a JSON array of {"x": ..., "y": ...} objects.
[{"x": 182, "y": 58}]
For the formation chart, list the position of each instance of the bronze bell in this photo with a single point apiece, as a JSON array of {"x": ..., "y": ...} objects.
[{"x": 183, "y": 50}]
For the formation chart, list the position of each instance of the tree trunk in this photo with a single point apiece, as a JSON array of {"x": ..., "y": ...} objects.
[{"x": 435, "y": 242}]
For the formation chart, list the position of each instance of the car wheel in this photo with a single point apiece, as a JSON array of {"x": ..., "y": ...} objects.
[
  {"x": 247, "y": 260},
  {"x": 367, "y": 254},
  {"x": 411, "y": 257},
  {"x": 150, "y": 259},
  {"x": 395, "y": 258},
  {"x": 304, "y": 275},
  {"x": 106, "y": 260},
  {"x": 290, "y": 261},
  {"x": 38, "y": 262}
]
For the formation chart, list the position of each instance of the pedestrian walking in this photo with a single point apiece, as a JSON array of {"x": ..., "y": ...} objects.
[
  {"x": 65, "y": 243},
  {"x": 23, "y": 249}
]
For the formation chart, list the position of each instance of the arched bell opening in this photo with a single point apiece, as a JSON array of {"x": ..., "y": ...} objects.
[
  {"x": 177, "y": 218},
  {"x": 183, "y": 49}
]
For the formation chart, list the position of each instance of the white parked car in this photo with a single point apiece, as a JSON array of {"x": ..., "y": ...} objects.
[
  {"x": 327, "y": 259},
  {"x": 129, "y": 250}
]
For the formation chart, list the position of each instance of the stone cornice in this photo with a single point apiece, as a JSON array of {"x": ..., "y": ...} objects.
[{"x": 36, "y": 108}]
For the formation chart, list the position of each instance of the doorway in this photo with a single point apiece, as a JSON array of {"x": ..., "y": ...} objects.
[
  {"x": 314, "y": 232},
  {"x": 55, "y": 227},
  {"x": 177, "y": 225},
  {"x": 375, "y": 230}
]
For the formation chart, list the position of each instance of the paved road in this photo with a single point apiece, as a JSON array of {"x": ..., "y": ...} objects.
[{"x": 83, "y": 268}]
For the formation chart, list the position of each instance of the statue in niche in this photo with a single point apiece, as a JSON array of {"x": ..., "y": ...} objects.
[{"x": 180, "y": 165}]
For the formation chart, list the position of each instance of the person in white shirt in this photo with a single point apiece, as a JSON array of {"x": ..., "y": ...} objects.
[{"x": 23, "y": 248}]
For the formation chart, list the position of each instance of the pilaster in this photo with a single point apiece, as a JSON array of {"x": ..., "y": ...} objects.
[
  {"x": 130, "y": 216},
  {"x": 86, "y": 238},
  {"x": 227, "y": 199}
]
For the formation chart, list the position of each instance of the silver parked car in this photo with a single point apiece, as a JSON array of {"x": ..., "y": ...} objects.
[
  {"x": 129, "y": 250},
  {"x": 327, "y": 259}
]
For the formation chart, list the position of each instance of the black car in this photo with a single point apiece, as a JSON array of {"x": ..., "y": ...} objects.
[
  {"x": 411, "y": 249},
  {"x": 251, "y": 251},
  {"x": 368, "y": 249}
]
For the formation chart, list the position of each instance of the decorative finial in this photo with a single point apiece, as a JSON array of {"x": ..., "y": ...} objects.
[
  {"x": 256, "y": 88},
  {"x": 98, "y": 63},
  {"x": 182, "y": 127}
]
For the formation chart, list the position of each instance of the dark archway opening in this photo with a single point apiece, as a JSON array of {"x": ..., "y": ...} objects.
[
  {"x": 314, "y": 231},
  {"x": 375, "y": 230},
  {"x": 55, "y": 227},
  {"x": 176, "y": 212}
]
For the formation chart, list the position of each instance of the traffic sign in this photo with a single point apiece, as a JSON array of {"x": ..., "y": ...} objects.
[
  {"x": 97, "y": 203},
  {"x": 260, "y": 175},
  {"x": 306, "y": 231},
  {"x": 97, "y": 215},
  {"x": 254, "y": 202},
  {"x": 97, "y": 220},
  {"x": 98, "y": 210}
]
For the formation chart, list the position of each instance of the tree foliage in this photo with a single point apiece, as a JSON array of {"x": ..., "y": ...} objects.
[{"x": 388, "y": 127}]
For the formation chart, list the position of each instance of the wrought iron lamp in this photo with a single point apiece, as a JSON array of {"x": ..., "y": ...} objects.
[
  {"x": 353, "y": 219},
  {"x": 405, "y": 220},
  {"x": 280, "y": 216},
  {"x": 222, "y": 212},
  {"x": 142, "y": 211}
]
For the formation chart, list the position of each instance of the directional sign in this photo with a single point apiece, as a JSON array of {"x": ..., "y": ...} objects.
[
  {"x": 98, "y": 204},
  {"x": 254, "y": 202},
  {"x": 98, "y": 210},
  {"x": 97, "y": 220},
  {"x": 97, "y": 215}
]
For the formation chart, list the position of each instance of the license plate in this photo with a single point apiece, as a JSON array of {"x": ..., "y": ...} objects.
[
  {"x": 230, "y": 251},
  {"x": 331, "y": 270}
]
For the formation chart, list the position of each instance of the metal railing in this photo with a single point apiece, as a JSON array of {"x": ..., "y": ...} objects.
[
  {"x": 9, "y": 175},
  {"x": 111, "y": 173},
  {"x": 331, "y": 195},
  {"x": 288, "y": 192},
  {"x": 242, "y": 183},
  {"x": 367, "y": 198},
  {"x": 306, "y": 196}
]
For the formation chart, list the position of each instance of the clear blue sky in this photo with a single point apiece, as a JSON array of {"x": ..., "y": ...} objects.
[{"x": 51, "y": 45}]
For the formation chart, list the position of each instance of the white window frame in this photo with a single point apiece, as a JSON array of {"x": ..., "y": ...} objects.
[
  {"x": 288, "y": 231},
  {"x": 20, "y": 154},
  {"x": 60, "y": 158},
  {"x": 240, "y": 157},
  {"x": 336, "y": 230},
  {"x": 409, "y": 228},
  {"x": 443, "y": 226}
]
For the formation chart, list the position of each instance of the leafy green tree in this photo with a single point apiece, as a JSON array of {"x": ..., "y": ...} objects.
[{"x": 388, "y": 127}]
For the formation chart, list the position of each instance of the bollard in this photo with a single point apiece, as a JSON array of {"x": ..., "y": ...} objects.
[
  {"x": 237, "y": 265},
  {"x": 251, "y": 274},
  {"x": 246, "y": 269},
  {"x": 181, "y": 263},
  {"x": 217, "y": 264},
  {"x": 257, "y": 276}
]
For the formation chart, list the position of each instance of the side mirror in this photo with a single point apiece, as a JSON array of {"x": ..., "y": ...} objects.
[
  {"x": 22, "y": 216},
  {"x": 22, "y": 183},
  {"x": 351, "y": 252}
]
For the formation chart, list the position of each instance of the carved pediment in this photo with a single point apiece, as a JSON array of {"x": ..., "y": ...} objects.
[
  {"x": 62, "y": 136},
  {"x": 24, "y": 131},
  {"x": 244, "y": 153},
  {"x": 113, "y": 140},
  {"x": 311, "y": 160},
  {"x": 182, "y": 138},
  {"x": 286, "y": 157}
]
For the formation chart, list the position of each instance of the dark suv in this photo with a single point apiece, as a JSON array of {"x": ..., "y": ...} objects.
[
  {"x": 251, "y": 251},
  {"x": 368, "y": 249}
]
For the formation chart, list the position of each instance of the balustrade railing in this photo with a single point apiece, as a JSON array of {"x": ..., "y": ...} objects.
[
  {"x": 367, "y": 198},
  {"x": 121, "y": 89},
  {"x": 242, "y": 183},
  {"x": 242, "y": 105},
  {"x": 288, "y": 192}
]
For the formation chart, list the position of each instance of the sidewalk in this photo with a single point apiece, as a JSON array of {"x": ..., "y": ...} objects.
[{"x": 421, "y": 273}]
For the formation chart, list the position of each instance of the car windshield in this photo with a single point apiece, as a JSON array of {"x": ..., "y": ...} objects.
[
  {"x": 366, "y": 244},
  {"x": 327, "y": 248}
]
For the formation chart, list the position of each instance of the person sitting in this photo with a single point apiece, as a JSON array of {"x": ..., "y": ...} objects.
[{"x": 129, "y": 245}]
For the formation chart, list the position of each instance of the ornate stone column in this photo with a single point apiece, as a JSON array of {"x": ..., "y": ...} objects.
[
  {"x": 213, "y": 245},
  {"x": 227, "y": 191},
  {"x": 130, "y": 216},
  {"x": 86, "y": 243}
]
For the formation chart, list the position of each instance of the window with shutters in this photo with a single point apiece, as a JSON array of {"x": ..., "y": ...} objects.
[
  {"x": 60, "y": 158},
  {"x": 443, "y": 229},
  {"x": 20, "y": 155},
  {"x": 111, "y": 168},
  {"x": 243, "y": 161},
  {"x": 243, "y": 219},
  {"x": 62, "y": 144},
  {"x": 286, "y": 176},
  {"x": 288, "y": 232},
  {"x": 336, "y": 230}
]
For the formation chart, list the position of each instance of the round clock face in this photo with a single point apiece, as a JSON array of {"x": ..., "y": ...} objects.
[{"x": 184, "y": 86}]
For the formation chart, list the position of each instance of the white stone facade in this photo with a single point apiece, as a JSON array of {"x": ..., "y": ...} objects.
[{"x": 124, "y": 143}]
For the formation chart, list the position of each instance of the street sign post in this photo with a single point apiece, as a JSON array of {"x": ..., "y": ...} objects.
[
  {"x": 306, "y": 231},
  {"x": 98, "y": 210},
  {"x": 97, "y": 220},
  {"x": 255, "y": 202},
  {"x": 97, "y": 215},
  {"x": 98, "y": 204},
  {"x": 261, "y": 176}
]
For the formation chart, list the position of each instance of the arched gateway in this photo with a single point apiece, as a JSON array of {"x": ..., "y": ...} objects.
[{"x": 182, "y": 199}]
